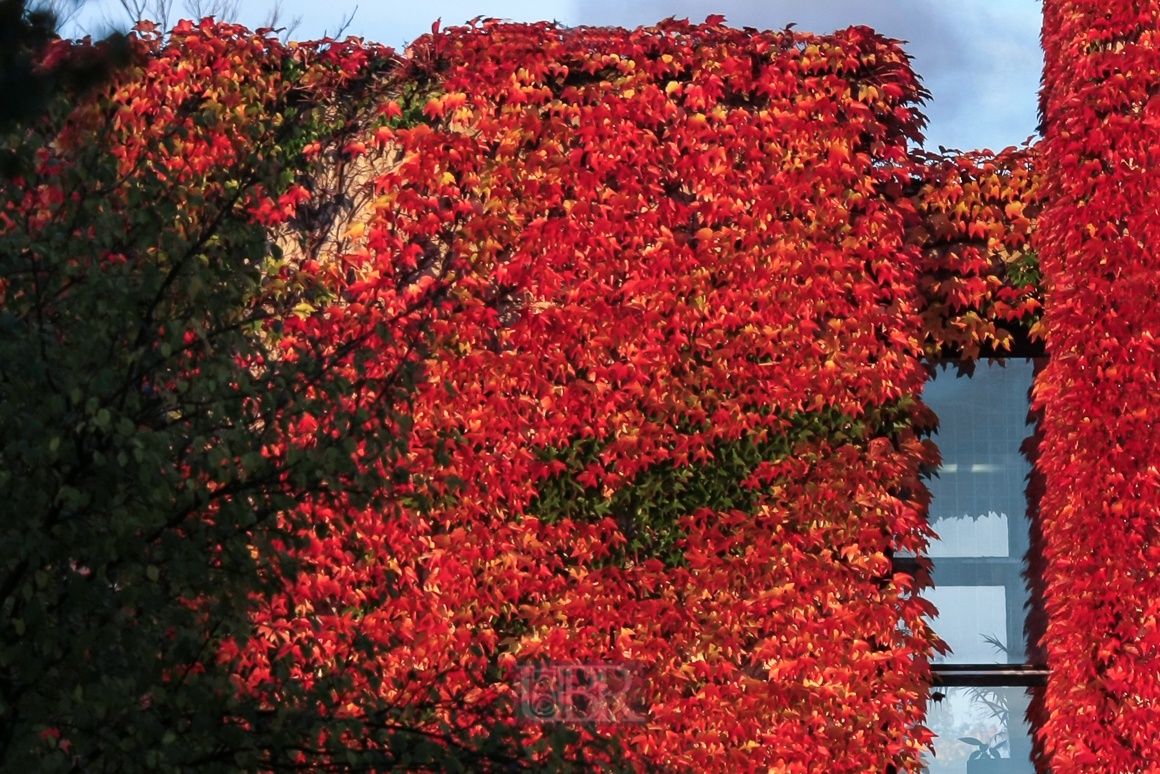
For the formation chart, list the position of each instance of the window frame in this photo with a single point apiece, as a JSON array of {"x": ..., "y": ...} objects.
[{"x": 1032, "y": 674}]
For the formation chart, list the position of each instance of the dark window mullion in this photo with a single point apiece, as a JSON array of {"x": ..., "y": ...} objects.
[{"x": 989, "y": 675}]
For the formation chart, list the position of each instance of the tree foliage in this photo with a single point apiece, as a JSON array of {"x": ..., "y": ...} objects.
[{"x": 179, "y": 396}]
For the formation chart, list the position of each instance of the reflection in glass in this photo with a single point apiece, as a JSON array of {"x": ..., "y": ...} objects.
[
  {"x": 979, "y": 511},
  {"x": 974, "y": 725},
  {"x": 986, "y": 535},
  {"x": 972, "y": 620}
]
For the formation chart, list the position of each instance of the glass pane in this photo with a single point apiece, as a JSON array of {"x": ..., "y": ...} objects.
[
  {"x": 992, "y": 721},
  {"x": 986, "y": 535},
  {"x": 973, "y": 622},
  {"x": 979, "y": 510}
]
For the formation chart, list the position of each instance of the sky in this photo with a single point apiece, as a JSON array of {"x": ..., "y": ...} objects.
[{"x": 980, "y": 59}]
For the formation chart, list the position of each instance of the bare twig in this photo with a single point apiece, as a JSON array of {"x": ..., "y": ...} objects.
[
  {"x": 62, "y": 10},
  {"x": 342, "y": 27},
  {"x": 222, "y": 10},
  {"x": 275, "y": 16}
]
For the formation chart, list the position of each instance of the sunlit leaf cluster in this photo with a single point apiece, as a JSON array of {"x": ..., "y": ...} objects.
[
  {"x": 1097, "y": 238},
  {"x": 601, "y": 345}
]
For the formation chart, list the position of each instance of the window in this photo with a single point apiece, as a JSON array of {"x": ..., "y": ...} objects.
[{"x": 979, "y": 510}]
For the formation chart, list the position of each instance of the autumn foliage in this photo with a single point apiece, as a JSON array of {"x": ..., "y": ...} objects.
[
  {"x": 1097, "y": 238},
  {"x": 175, "y": 386},
  {"x": 666, "y": 294},
  {"x": 980, "y": 276},
  {"x": 669, "y": 415}
]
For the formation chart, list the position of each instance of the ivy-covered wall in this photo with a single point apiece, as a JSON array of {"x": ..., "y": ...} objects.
[
  {"x": 1098, "y": 237},
  {"x": 671, "y": 414},
  {"x": 667, "y": 296}
]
